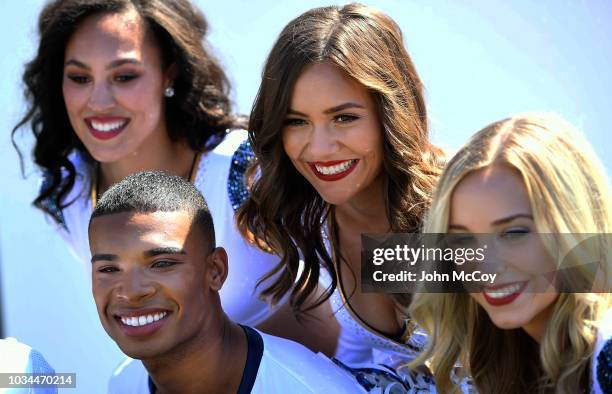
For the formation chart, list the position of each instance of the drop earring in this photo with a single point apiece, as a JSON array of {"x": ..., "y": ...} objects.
[{"x": 169, "y": 92}]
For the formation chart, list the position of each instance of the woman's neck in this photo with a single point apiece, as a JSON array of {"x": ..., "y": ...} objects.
[{"x": 175, "y": 158}]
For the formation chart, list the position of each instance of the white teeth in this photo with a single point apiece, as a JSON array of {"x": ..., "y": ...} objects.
[
  {"x": 108, "y": 127},
  {"x": 142, "y": 320},
  {"x": 336, "y": 169},
  {"x": 502, "y": 292}
]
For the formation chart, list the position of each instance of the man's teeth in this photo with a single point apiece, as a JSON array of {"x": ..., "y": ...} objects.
[
  {"x": 137, "y": 321},
  {"x": 502, "y": 292},
  {"x": 338, "y": 168},
  {"x": 108, "y": 126}
]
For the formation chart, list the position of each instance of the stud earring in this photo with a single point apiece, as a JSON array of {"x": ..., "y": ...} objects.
[{"x": 169, "y": 92}]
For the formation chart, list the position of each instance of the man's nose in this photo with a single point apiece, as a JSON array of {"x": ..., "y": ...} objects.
[{"x": 134, "y": 287}]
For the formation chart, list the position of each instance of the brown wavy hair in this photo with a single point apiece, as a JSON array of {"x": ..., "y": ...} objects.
[
  {"x": 199, "y": 109},
  {"x": 284, "y": 212}
]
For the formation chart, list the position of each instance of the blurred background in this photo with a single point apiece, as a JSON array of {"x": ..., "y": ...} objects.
[{"x": 480, "y": 61}]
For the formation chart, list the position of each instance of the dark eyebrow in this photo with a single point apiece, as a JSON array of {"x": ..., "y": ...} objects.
[
  {"x": 104, "y": 257},
  {"x": 168, "y": 250},
  {"x": 331, "y": 110},
  {"x": 113, "y": 64},
  {"x": 342, "y": 107},
  {"x": 456, "y": 227},
  {"x": 294, "y": 112}
]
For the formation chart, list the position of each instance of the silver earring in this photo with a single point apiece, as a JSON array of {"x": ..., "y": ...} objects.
[{"x": 169, "y": 92}]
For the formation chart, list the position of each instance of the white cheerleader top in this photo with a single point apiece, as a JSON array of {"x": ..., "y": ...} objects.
[
  {"x": 219, "y": 176},
  {"x": 358, "y": 343}
]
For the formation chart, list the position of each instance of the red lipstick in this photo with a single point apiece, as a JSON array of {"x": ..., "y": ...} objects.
[
  {"x": 118, "y": 122},
  {"x": 332, "y": 177},
  {"x": 499, "y": 301}
]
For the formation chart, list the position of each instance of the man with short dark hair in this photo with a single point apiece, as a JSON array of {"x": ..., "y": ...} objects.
[{"x": 156, "y": 278}]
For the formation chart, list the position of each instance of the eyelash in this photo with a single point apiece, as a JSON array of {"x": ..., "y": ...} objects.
[
  {"x": 108, "y": 270},
  {"x": 515, "y": 233},
  {"x": 460, "y": 239},
  {"x": 166, "y": 264},
  {"x": 121, "y": 78},
  {"x": 348, "y": 118},
  {"x": 294, "y": 122},
  {"x": 125, "y": 77},
  {"x": 79, "y": 79},
  {"x": 342, "y": 118}
]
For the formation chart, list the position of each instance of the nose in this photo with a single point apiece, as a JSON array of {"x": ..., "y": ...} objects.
[
  {"x": 323, "y": 141},
  {"x": 134, "y": 287},
  {"x": 101, "y": 98},
  {"x": 494, "y": 258}
]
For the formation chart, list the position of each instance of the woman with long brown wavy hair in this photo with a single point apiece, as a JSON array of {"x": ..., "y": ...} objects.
[
  {"x": 121, "y": 86},
  {"x": 339, "y": 128}
]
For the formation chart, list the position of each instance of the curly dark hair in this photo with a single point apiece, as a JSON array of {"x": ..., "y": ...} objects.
[
  {"x": 199, "y": 109},
  {"x": 284, "y": 212}
]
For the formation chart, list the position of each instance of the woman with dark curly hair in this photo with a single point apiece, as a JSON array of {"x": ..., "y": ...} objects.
[
  {"x": 339, "y": 128},
  {"x": 121, "y": 86}
]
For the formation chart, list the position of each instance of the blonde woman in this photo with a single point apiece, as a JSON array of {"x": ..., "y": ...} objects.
[{"x": 515, "y": 179}]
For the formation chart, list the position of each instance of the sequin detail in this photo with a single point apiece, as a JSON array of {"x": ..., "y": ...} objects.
[
  {"x": 398, "y": 353},
  {"x": 49, "y": 204},
  {"x": 383, "y": 379},
  {"x": 236, "y": 186},
  {"x": 604, "y": 368}
]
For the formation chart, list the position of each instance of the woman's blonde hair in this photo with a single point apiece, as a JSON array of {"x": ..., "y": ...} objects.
[{"x": 569, "y": 194}]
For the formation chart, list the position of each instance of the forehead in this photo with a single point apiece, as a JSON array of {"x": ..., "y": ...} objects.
[
  {"x": 111, "y": 34},
  {"x": 129, "y": 230},
  {"x": 329, "y": 85},
  {"x": 490, "y": 193}
]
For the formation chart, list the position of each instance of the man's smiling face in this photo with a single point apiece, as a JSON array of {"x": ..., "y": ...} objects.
[{"x": 152, "y": 280}]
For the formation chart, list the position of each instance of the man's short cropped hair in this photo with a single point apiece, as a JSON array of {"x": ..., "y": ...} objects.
[{"x": 156, "y": 191}]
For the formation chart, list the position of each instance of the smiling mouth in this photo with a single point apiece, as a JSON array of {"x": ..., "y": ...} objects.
[
  {"x": 142, "y": 320},
  {"x": 503, "y": 294},
  {"x": 333, "y": 170},
  {"x": 104, "y": 129},
  {"x": 141, "y": 325}
]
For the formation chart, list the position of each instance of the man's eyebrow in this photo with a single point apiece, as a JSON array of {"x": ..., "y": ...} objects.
[
  {"x": 104, "y": 257},
  {"x": 164, "y": 250},
  {"x": 113, "y": 64}
]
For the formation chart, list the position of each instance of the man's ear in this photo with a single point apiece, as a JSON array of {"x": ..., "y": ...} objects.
[{"x": 217, "y": 268}]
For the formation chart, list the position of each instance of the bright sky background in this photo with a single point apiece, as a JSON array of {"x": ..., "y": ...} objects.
[{"x": 480, "y": 61}]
